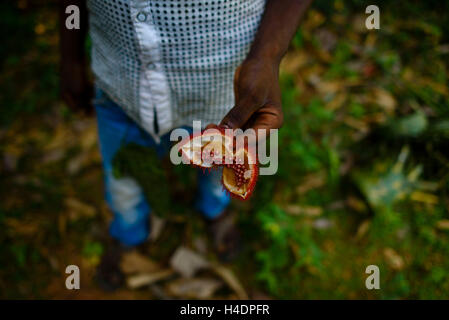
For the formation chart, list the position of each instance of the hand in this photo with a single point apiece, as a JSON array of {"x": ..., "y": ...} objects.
[
  {"x": 257, "y": 97},
  {"x": 76, "y": 89}
]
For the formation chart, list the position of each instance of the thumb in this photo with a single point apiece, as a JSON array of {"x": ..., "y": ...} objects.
[
  {"x": 242, "y": 111},
  {"x": 238, "y": 115}
]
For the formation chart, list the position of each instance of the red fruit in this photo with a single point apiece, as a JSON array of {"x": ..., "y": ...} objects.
[
  {"x": 214, "y": 148},
  {"x": 240, "y": 178},
  {"x": 206, "y": 150}
]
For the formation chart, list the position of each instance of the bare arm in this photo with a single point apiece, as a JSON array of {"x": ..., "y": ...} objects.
[{"x": 257, "y": 93}]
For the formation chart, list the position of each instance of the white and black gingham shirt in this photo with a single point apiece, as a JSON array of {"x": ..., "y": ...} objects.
[{"x": 171, "y": 61}]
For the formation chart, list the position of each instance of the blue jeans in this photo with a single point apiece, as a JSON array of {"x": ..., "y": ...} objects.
[{"x": 124, "y": 196}]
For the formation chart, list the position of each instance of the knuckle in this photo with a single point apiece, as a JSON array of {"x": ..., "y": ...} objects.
[
  {"x": 234, "y": 116},
  {"x": 280, "y": 121}
]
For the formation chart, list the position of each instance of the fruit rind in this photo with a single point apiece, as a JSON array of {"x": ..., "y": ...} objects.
[{"x": 235, "y": 191}]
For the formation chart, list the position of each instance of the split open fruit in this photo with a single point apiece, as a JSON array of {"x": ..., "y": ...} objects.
[{"x": 215, "y": 148}]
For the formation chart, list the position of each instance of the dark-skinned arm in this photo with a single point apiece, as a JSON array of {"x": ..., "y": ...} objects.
[
  {"x": 256, "y": 80},
  {"x": 75, "y": 87}
]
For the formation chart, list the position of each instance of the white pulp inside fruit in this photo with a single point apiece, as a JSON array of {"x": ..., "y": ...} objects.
[
  {"x": 207, "y": 149},
  {"x": 231, "y": 184},
  {"x": 229, "y": 178}
]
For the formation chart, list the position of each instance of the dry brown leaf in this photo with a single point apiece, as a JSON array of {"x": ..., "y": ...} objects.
[
  {"x": 358, "y": 23},
  {"x": 378, "y": 118},
  {"x": 293, "y": 61},
  {"x": 311, "y": 181},
  {"x": 134, "y": 262},
  {"x": 62, "y": 138},
  {"x": 88, "y": 137},
  {"x": 231, "y": 280},
  {"x": 443, "y": 224},
  {"x": 326, "y": 38},
  {"x": 362, "y": 229},
  {"x": 200, "y": 245},
  {"x": 337, "y": 102},
  {"x": 393, "y": 259},
  {"x": 384, "y": 99},
  {"x": 355, "y": 204},
  {"x": 54, "y": 155},
  {"x": 310, "y": 211},
  {"x": 356, "y": 124},
  {"x": 424, "y": 197},
  {"x": 78, "y": 209},
  {"x": 329, "y": 87},
  {"x": 157, "y": 225},
  {"x": 187, "y": 262},
  {"x": 22, "y": 227},
  {"x": 312, "y": 73},
  {"x": 77, "y": 163},
  {"x": 144, "y": 279},
  {"x": 323, "y": 56},
  {"x": 323, "y": 224},
  {"x": 370, "y": 40},
  {"x": 197, "y": 288},
  {"x": 435, "y": 86},
  {"x": 313, "y": 19}
]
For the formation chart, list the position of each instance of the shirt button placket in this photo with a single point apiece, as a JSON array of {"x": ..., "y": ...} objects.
[
  {"x": 151, "y": 66},
  {"x": 141, "y": 16}
]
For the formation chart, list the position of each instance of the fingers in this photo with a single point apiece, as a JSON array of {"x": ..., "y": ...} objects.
[
  {"x": 211, "y": 126},
  {"x": 245, "y": 102},
  {"x": 268, "y": 119}
]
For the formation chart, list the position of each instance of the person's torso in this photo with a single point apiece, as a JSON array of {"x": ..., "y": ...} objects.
[{"x": 173, "y": 60}]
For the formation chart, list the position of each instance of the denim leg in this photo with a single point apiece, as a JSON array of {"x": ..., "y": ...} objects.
[
  {"x": 124, "y": 196},
  {"x": 212, "y": 198}
]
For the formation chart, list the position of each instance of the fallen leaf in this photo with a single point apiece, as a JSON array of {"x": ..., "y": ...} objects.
[
  {"x": 337, "y": 102},
  {"x": 393, "y": 259},
  {"x": 384, "y": 99},
  {"x": 77, "y": 163},
  {"x": 310, "y": 211},
  {"x": 424, "y": 197},
  {"x": 53, "y": 156},
  {"x": 323, "y": 224},
  {"x": 292, "y": 62},
  {"x": 326, "y": 38},
  {"x": 314, "y": 19},
  {"x": 134, "y": 262},
  {"x": 443, "y": 224},
  {"x": 187, "y": 262},
  {"x": 356, "y": 124},
  {"x": 62, "y": 138},
  {"x": 355, "y": 204},
  {"x": 145, "y": 279},
  {"x": 362, "y": 229},
  {"x": 22, "y": 227},
  {"x": 89, "y": 137},
  {"x": 78, "y": 209},
  {"x": 311, "y": 181},
  {"x": 157, "y": 225},
  {"x": 231, "y": 280},
  {"x": 200, "y": 245},
  {"x": 199, "y": 288}
]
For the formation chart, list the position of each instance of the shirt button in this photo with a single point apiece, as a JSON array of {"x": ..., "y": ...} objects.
[
  {"x": 151, "y": 66},
  {"x": 142, "y": 16}
]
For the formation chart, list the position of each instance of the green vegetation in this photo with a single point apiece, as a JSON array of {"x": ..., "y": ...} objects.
[{"x": 363, "y": 168}]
